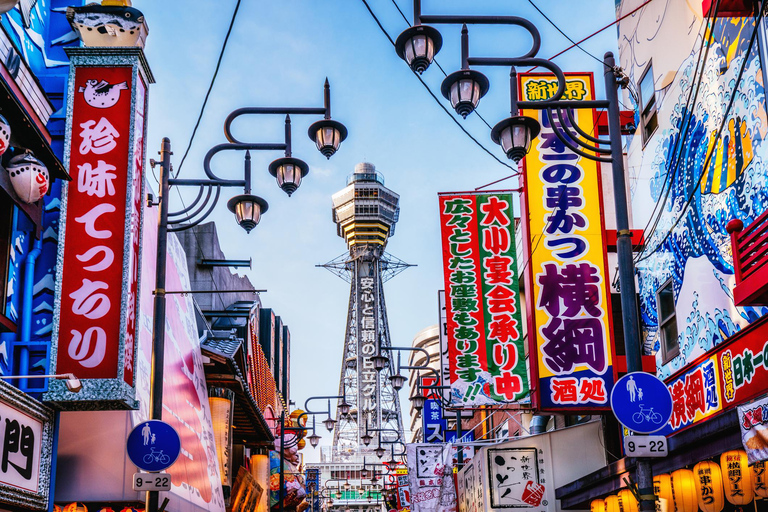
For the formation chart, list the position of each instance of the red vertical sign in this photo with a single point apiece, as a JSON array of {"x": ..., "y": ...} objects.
[{"x": 99, "y": 279}]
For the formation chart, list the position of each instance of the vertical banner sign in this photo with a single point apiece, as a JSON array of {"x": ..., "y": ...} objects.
[
  {"x": 99, "y": 251},
  {"x": 486, "y": 354},
  {"x": 367, "y": 332},
  {"x": 569, "y": 311}
]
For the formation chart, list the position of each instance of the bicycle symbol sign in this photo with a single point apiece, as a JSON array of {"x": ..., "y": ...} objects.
[
  {"x": 641, "y": 402},
  {"x": 153, "y": 445}
]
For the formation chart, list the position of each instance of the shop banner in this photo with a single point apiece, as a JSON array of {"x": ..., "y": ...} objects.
[
  {"x": 485, "y": 342},
  {"x": 433, "y": 424},
  {"x": 753, "y": 420},
  {"x": 569, "y": 309},
  {"x": 403, "y": 489},
  {"x": 95, "y": 317},
  {"x": 431, "y": 478},
  {"x": 727, "y": 376}
]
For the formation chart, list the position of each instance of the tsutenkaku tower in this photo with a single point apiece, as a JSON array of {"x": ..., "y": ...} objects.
[{"x": 365, "y": 213}]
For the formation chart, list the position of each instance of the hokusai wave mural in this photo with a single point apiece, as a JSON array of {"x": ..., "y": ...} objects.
[{"x": 731, "y": 183}]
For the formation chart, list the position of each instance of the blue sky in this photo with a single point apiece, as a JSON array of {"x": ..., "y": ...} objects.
[{"x": 279, "y": 55}]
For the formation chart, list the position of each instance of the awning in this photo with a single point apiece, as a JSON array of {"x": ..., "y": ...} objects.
[{"x": 224, "y": 370}]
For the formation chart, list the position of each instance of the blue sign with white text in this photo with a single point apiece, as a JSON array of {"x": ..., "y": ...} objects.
[
  {"x": 434, "y": 424},
  {"x": 153, "y": 445},
  {"x": 641, "y": 402}
]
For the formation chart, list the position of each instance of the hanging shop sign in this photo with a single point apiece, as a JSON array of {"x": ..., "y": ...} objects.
[
  {"x": 759, "y": 479},
  {"x": 433, "y": 424},
  {"x": 99, "y": 240},
  {"x": 737, "y": 477},
  {"x": 485, "y": 332},
  {"x": 430, "y": 477},
  {"x": 729, "y": 375},
  {"x": 569, "y": 309},
  {"x": 753, "y": 421},
  {"x": 26, "y": 451}
]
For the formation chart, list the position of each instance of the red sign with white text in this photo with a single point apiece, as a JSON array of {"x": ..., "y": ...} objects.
[{"x": 93, "y": 288}]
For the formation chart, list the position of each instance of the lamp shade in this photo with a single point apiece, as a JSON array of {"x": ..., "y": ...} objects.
[
  {"x": 597, "y": 506},
  {"x": 329, "y": 424},
  {"x": 248, "y": 210},
  {"x": 514, "y": 135},
  {"x": 260, "y": 472},
  {"x": 463, "y": 89},
  {"x": 759, "y": 483},
  {"x": 709, "y": 483},
  {"x": 418, "y": 402},
  {"x": 737, "y": 477},
  {"x": 684, "y": 493},
  {"x": 327, "y": 135},
  {"x": 627, "y": 501},
  {"x": 288, "y": 172},
  {"x": 612, "y": 504},
  {"x": 418, "y": 45},
  {"x": 398, "y": 381},
  {"x": 29, "y": 177},
  {"x": 222, "y": 403},
  {"x": 314, "y": 440},
  {"x": 662, "y": 487}
]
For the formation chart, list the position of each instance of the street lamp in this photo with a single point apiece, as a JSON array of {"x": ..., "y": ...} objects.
[
  {"x": 418, "y": 401},
  {"x": 398, "y": 381},
  {"x": 379, "y": 451},
  {"x": 366, "y": 439},
  {"x": 344, "y": 407},
  {"x": 418, "y": 45},
  {"x": 329, "y": 423},
  {"x": 314, "y": 440},
  {"x": 515, "y": 135},
  {"x": 380, "y": 362}
]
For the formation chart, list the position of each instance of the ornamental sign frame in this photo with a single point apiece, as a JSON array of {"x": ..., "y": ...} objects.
[
  {"x": 32, "y": 423},
  {"x": 569, "y": 303},
  {"x": 98, "y": 271},
  {"x": 484, "y": 326}
]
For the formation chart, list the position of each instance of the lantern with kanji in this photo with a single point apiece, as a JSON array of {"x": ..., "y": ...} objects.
[
  {"x": 684, "y": 493},
  {"x": 29, "y": 177},
  {"x": 612, "y": 504},
  {"x": 597, "y": 506},
  {"x": 737, "y": 477},
  {"x": 759, "y": 480},
  {"x": 709, "y": 483},
  {"x": 627, "y": 501},
  {"x": 662, "y": 488}
]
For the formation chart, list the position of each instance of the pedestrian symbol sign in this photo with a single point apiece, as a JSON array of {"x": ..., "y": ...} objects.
[
  {"x": 641, "y": 402},
  {"x": 153, "y": 445}
]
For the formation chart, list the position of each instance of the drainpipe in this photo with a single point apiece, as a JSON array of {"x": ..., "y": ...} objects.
[
  {"x": 26, "y": 311},
  {"x": 538, "y": 424}
]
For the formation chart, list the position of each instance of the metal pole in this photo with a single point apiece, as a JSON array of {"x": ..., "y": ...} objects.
[
  {"x": 280, "y": 495},
  {"x": 459, "y": 435},
  {"x": 629, "y": 309},
  {"x": 158, "y": 330}
]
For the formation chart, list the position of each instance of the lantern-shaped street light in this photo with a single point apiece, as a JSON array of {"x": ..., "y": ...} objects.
[
  {"x": 379, "y": 451},
  {"x": 288, "y": 172},
  {"x": 465, "y": 87},
  {"x": 344, "y": 407},
  {"x": 418, "y": 401},
  {"x": 398, "y": 381},
  {"x": 247, "y": 209},
  {"x": 380, "y": 362},
  {"x": 329, "y": 423},
  {"x": 314, "y": 440},
  {"x": 366, "y": 439},
  {"x": 514, "y": 135},
  {"x": 327, "y": 134},
  {"x": 418, "y": 45}
]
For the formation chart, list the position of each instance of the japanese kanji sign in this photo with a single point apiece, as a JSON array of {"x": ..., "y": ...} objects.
[
  {"x": 431, "y": 478},
  {"x": 753, "y": 420},
  {"x": 367, "y": 296},
  {"x": 569, "y": 311},
  {"x": 96, "y": 299},
  {"x": 484, "y": 326}
]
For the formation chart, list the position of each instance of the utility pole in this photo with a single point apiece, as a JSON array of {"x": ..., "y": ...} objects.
[{"x": 629, "y": 310}]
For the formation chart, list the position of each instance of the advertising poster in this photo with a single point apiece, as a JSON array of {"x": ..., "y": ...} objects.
[
  {"x": 753, "y": 421},
  {"x": 484, "y": 325},
  {"x": 569, "y": 311},
  {"x": 430, "y": 476}
]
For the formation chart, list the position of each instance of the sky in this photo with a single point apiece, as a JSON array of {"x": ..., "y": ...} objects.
[{"x": 279, "y": 54}]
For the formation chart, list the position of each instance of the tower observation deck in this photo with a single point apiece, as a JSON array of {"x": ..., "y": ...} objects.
[{"x": 365, "y": 213}]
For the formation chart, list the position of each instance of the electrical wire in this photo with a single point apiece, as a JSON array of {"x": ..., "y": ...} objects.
[
  {"x": 716, "y": 140},
  {"x": 210, "y": 87},
  {"x": 437, "y": 100}
]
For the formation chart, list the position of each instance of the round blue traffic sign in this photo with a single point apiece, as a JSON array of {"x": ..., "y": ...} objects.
[
  {"x": 641, "y": 402},
  {"x": 153, "y": 445}
]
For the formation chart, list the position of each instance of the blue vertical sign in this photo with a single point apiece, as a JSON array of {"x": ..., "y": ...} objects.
[{"x": 433, "y": 423}]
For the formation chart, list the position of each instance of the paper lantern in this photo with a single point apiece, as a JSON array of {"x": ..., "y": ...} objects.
[
  {"x": 627, "y": 501},
  {"x": 29, "y": 177},
  {"x": 597, "y": 506},
  {"x": 612, "y": 504},
  {"x": 260, "y": 472},
  {"x": 131, "y": 509},
  {"x": 221, "y": 401},
  {"x": 737, "y": 477},
  {"x": 56, "y": 508},
  {"x": 684, "y": 493},
  {"x": 76, "y": 507},
  {"x": 759, "y": 483},
  {"x": 106, "y": 509},
  {"x": 662, "y": 487},
  {"x": 295, "y": 416},
  {"x": 709, "y": 483},
  {"x": 5, "y": 135}
]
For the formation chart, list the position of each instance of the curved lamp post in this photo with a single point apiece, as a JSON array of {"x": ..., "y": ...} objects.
[{"x": 516, "y": 133}]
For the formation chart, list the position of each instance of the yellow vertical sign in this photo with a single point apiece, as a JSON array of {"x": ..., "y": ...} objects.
[{"x": 569, "y": 309}]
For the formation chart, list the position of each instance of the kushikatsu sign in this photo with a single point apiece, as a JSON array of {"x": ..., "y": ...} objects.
[
  {"x": 100, "y": 233},
  {"x": 484, "y": 326},
  {"x": 569, "y": 309}
]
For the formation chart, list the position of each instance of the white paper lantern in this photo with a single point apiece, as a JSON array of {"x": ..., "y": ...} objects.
[
  {"x": 29, "y": 177},
  {"x": 5, "y": 135}
]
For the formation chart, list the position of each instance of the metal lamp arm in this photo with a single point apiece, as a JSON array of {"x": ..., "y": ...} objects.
[{"x": 306, "y": 404}]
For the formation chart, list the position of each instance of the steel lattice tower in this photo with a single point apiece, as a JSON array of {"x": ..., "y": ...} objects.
[{"x": 365, "y": 213}]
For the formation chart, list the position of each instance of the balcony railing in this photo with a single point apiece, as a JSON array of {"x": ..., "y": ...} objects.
[{"x": 750, "y": 261}]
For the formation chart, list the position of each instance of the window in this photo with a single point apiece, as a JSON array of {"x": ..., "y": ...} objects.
[
  {"x": 665, "y": 301},
  {"x": 647, "y": 91}
]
